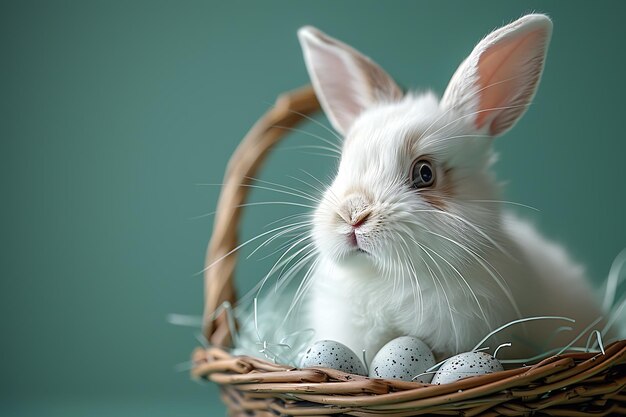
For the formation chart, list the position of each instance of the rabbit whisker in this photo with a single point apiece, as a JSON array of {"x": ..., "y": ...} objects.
[
  {"x": 489, "y": 268},
  {"x": 296, "y": 226},
  {"x": 415, "y": 285},
  {"x": 513, "y": 203},
  {"x": 303, "y": 288},
  {"x": 285, "y": 187},
  {"x": 332, "y": 132},
  {"x": 281, "y": 258},
  {"x": 426, "y": 250},
  {"x": 241, "y": 245},
  {"x": 470, "y": 224},
  {"x": 334, "y": 146}
]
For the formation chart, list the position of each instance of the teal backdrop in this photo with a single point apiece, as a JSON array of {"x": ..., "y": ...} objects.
[{"x": 113, "y": 112}]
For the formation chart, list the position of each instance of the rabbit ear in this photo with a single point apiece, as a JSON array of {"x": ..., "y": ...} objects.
[
  {"x": 345, "y": 81},
  {"x": 495, "y": 84}
]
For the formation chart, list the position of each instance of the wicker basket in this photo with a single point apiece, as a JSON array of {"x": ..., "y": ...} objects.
[{"x": 573, "y": 384}]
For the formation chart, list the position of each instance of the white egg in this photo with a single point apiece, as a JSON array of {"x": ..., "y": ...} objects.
[
  {"x": 465, "y": 365},
  {"x": 403, "y": 358},
  {"x": 334, "y": 355}
]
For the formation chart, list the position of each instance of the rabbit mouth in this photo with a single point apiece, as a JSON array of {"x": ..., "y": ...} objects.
[{"x": 355, "y": 240}]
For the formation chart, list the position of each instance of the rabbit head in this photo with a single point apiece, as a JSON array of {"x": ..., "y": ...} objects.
[{"x": 413, "y": 181}]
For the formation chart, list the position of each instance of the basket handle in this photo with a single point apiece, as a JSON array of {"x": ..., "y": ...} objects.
[{"x": 289, "y": 110}]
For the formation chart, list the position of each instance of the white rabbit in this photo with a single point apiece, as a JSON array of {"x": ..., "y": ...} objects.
[{"x": 410, "y": 236}]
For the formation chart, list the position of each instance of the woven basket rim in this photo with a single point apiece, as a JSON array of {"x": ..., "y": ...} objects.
[{"x": 577, "y": 377}]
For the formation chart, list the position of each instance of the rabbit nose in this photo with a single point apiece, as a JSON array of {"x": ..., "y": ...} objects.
[
  {"x": 355, "y": 211},
  {"x": 359, "y": 219},
  {"x": 355, "y": 220}
]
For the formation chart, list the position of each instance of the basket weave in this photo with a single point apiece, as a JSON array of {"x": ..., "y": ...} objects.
[{"x": 572, "y": 384}]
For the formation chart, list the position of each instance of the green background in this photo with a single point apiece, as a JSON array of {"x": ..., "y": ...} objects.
[{"x": 113, "y": 112}]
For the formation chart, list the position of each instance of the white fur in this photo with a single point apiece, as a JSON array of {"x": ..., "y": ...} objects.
[{"x": 447, "y": 264}]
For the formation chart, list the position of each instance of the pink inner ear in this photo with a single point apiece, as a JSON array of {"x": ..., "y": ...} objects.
[
  {"x": 508, "y": 73},
  {"x": 345, "y": 81},
  {"x": 341, "y": 99}
]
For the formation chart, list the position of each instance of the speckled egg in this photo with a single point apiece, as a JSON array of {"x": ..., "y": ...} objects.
[
  {"x": 403, "y": 358},
  {"x": 334, "y": 355},
  {"x": 466, "y": 364}
]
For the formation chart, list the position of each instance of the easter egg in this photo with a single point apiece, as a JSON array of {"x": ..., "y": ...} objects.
[
  {"x": 465, "y": 365},
  {"x": 403, "y": 358},
  {"x": 334, "y": 355}
]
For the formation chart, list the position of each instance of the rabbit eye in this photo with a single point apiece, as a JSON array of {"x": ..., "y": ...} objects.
[{"x": 422, "y": 174}]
